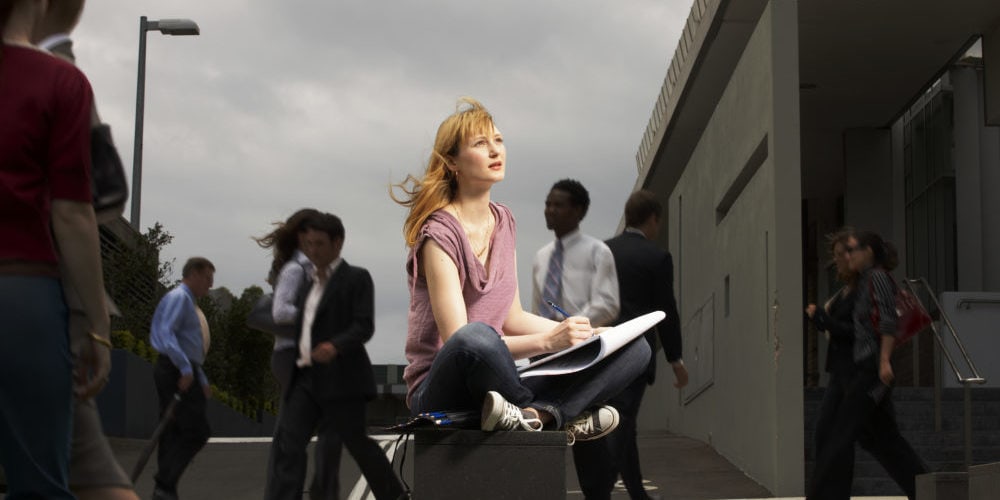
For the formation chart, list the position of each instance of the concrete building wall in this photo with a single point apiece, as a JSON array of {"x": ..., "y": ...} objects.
[
  {"x": 977, "y": 181},
  {"x": 966, "y": 155},
  {"x": 868, "y": 196},
  {"x": 991, "y": 55},
  {"x": 734, "y": 221},
  {"x": 990, "y": 215},
  {"x": 874, "y": 191}
]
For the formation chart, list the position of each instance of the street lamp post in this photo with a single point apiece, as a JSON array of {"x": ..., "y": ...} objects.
[{"x": 178, "y": 27}]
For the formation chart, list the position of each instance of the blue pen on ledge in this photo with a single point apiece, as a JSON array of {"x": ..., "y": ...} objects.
[{"x": 557, "y": 308}]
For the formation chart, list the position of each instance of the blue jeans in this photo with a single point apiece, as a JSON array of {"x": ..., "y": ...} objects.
[
  {"x": 36, "y": 389},
  {"x": 475, "y": 360}
]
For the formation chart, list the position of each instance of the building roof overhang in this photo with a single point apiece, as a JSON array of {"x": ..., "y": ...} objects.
[{"x": 861, "y": 64}]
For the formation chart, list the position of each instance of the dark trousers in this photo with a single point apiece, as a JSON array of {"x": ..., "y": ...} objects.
[
  {"x": 188, "y": 430},
  {"x": 623, "y": 444},
  {"x": 302, "y": 413},
  {"x": 841, "y": 470},
  {"x": 598, "y": 463},
  {"x": 326, "y": 480},
  {"x": 866, "y": 415}
]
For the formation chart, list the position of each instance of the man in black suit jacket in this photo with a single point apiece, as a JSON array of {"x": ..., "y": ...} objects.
[
  {"x": 333, "y": 380},
  {"x": 646, "y": 281}
]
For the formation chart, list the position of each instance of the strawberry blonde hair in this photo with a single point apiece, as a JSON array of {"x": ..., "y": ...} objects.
[{"x": 437, "y": 187}]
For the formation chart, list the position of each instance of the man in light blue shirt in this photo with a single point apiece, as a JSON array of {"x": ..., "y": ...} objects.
[{"x": 180, "y": 337}]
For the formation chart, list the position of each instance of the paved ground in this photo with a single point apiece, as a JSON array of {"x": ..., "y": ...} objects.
[
  {"x": 678, "y": 467},
  {"x": 675, "y": 467}
]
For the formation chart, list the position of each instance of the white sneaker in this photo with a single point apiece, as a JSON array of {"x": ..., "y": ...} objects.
[
  {"x": 591, "y": 425},
  {"x": 499, "y": 415}
]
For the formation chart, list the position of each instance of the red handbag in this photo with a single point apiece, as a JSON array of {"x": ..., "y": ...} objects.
[{"x": 911, "y": 317}]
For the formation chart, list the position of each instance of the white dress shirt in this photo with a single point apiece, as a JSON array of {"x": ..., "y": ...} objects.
[
  {"x": 309, "y": 313},
  {"x": 589, "y": 278},
  {"x": 206, "y": 332}
]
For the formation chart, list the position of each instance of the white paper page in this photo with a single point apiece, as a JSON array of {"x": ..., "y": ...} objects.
[{"x": 593, "y": 349}]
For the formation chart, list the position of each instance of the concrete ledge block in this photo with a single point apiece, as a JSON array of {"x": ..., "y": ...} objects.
[
  {"x": 943, "y": 486},
  {"x": 984, "y": 481},
  {"x": 460, "y": 464}
]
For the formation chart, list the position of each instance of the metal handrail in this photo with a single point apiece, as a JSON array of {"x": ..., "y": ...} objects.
[
  {"x": 967, "y": 382},
  {"x": 966, "y": 303},
  {"x": 976, "y": 378}
]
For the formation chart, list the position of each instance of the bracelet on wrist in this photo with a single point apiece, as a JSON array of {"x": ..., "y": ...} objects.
[{"x": 100, "y": 340}]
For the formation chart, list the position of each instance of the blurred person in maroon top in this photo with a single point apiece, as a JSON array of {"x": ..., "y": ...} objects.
[
  {"x": 94, "y": 472},
  {"x": 48, "y": 220}
]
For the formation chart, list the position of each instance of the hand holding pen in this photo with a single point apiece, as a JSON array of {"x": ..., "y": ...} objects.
[
  {"x": 593, "y": 331},
  {"x": 568, "y": 332}
]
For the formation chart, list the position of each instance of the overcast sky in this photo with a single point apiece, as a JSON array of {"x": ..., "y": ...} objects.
[{"x": 309, "y": 103}]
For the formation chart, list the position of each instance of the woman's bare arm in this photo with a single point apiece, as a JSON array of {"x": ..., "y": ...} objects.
[
  {"x": 75, "y": 228},
  {"x": 444, "y": 289}
]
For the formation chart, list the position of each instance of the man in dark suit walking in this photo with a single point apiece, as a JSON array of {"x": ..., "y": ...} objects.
[
  {"x": 646, "y": 281},
  {"x": 333, "y": 380}
]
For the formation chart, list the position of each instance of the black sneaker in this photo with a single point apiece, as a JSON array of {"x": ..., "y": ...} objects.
[{"x": 591, "y": 425}]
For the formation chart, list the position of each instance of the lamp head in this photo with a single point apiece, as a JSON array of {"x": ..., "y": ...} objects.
[{"x": 178, "y": 27}]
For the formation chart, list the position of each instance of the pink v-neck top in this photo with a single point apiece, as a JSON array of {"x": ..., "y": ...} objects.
[{"x": 488, "y": 294}]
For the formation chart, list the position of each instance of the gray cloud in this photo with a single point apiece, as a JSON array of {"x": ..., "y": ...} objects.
[{"x": 281, "y": 105}]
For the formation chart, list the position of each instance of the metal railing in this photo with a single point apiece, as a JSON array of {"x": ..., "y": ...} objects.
[{"x": 967, "y": 382}]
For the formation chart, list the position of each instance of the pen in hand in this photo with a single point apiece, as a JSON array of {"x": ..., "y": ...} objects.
[
  {"x": 557, "y": 308},
  {"x": 566, "y": 314}
]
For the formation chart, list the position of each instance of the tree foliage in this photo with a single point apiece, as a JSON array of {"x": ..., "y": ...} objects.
[
  {"x": 239, "y": 361},
  {"x": 135, "y": 277}
]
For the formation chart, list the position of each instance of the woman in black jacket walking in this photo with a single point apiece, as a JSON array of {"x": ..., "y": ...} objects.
[
  {"x": 835, "y": 320},
  {"x": 866, "y": 414}
]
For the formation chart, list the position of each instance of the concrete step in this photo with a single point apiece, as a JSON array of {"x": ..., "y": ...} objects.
[
  {"x": 988, "y": 394},
  {"x": 984, "y": 481},
  {"x": 926, "y": 408},
  {"x": 875, "y": 487},
  {"x": 987, "y": 441}
]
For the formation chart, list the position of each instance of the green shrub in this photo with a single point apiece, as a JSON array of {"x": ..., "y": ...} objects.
[{"x": 123, "y": 339}]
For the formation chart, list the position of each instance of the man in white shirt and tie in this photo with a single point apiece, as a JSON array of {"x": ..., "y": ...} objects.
[{"x": 576, "y": 271}]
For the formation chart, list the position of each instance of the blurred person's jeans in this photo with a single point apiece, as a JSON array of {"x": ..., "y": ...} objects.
[{"x": 36, "y": 387}]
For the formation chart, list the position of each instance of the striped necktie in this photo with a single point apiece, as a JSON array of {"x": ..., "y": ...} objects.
[{"x": 553, "y": 283}]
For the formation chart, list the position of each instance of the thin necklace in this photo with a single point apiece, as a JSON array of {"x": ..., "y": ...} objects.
[{"x": 483, "y": 235}]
